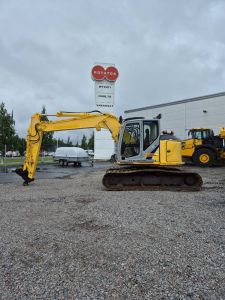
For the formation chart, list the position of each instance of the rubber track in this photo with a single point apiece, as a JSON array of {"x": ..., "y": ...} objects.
[{"x": 151, "y": 178}]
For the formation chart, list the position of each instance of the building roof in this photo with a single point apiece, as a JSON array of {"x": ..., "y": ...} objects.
[{"x": 176, "y": 102}]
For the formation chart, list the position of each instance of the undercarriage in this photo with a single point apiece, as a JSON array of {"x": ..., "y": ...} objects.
[{"x": 132, "y": 178}]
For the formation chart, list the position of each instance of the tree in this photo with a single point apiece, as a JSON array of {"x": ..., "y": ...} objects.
[
  {"x": 47, "y": 141},
  {"x": 91, "y": 142},
  {"x": 84, "y": 142},
  {"x": 69, "y": 142},
  {"x": 19, "y": 144},
  {"x": 61, "y": 143},
  {"x": 7, "y": 129}
]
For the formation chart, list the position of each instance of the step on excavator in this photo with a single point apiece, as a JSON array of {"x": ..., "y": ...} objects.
[{"x": 146, "y": 159}]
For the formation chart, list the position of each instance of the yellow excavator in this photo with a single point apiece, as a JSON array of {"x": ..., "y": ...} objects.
[
  {"x": 204, "y": 148},
  {"x": 146, "y": 159}
]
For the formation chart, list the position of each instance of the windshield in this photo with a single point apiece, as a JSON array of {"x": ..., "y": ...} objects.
[
  {"x": 201, "y": 134},
  {"x": 131, "y": 140}
]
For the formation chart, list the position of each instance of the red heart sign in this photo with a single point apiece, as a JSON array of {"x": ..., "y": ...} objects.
[{"x": 99, "y": 73}]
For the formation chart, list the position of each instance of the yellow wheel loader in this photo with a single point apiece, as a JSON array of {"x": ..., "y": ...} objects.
[
  {"x": 204, "y": 148},
  {"x": 146, "y": 159}
]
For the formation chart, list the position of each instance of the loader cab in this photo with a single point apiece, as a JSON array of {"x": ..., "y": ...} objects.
[
  {"x": 138, "y": 137},
  {"x": 206, "y": 137},
  {"x": 201, "y": 134}
]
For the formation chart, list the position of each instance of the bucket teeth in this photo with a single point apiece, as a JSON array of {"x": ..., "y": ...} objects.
[{"x": 24, "y": 175}]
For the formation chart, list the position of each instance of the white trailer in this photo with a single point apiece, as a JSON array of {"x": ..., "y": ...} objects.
[{"x": 66, "y": 155}]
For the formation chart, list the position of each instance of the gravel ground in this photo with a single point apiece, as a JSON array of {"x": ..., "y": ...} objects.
[{"x": 70, "y": 239}]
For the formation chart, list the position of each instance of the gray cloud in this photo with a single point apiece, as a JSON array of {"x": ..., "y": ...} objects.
[{"x": 164, "y": 50}]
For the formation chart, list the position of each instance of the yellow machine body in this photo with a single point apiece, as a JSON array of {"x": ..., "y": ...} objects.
[
  {"x": 188, "y": 147},
  {"x": 204, "y": 148}
]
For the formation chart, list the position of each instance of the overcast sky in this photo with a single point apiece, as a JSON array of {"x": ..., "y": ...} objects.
[{"x": 164, "y": 50}]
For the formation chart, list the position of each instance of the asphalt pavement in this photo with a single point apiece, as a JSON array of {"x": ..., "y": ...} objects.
[{"x": 47, "y": 171}]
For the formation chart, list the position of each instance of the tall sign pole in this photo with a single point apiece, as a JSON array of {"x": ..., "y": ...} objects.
[{"x": 104, "y": 76}]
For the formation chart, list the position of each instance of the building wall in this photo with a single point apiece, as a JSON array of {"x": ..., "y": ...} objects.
[
  {"x": 103, "y": 143},
  {"x": 183, "y": 116}
]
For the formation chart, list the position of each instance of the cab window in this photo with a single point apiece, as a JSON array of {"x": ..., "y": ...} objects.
[{"x": 150, "y": 132}]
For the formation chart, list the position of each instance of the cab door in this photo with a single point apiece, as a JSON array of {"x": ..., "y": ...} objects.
[
  {"x": 129, "y": 147},
  {"x": 151, "y": 138}
]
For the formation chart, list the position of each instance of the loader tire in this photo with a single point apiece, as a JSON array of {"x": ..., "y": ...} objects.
[{"x": 204, "y": 158}]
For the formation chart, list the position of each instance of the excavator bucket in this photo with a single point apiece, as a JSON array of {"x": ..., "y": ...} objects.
[{"x": 24, "y": 175}]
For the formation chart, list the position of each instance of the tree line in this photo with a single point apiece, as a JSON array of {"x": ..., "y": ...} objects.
[{"x": 10, "y": 140}]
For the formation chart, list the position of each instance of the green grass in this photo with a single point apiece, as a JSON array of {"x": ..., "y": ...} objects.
[{"x": 10, "y": 161}]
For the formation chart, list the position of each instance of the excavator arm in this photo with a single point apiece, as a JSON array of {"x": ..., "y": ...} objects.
[{"x": 66, "y": 121}]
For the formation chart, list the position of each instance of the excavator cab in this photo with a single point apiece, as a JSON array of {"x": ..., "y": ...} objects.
[
  {"x": 141, "y": 143},
  {"x": 138, "y": 138}
]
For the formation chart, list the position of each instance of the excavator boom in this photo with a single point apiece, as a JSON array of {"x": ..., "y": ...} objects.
[{"x": 67, "y": 121}]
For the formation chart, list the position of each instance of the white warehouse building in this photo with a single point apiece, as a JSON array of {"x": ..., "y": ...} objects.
[{"x": 180, "y": 116}]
